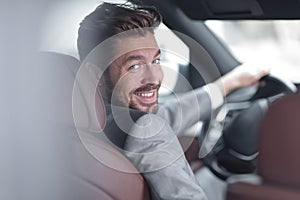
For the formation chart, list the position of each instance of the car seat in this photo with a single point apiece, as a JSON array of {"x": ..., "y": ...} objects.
[
  {"x": 278, "y": 162},
  {"x": 90, "y": 174}
]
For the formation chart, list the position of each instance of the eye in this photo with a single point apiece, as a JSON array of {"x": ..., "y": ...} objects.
[
  {"x": 156, "y": 61},
  {"x": 134, "y": 67}
]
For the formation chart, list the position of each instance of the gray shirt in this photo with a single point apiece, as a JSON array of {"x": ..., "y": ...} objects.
[{"x": 153, "y": 147}]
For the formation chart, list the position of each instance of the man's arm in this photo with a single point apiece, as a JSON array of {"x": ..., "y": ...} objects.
[
  {"x": 155, "y": 151},
  {"x": 185, "y": 110}
]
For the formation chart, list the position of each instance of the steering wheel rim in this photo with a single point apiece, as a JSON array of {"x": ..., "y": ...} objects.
[{"x": 271, "y": 88}]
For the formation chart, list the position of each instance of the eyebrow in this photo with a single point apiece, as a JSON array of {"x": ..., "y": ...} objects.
[{"x": 140, "y": 57}]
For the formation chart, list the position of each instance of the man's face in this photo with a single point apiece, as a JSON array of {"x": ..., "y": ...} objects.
[{"x": 137, "y": 75}]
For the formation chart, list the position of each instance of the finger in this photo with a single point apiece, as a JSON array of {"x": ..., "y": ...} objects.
[{"x": 262, "y": 73}]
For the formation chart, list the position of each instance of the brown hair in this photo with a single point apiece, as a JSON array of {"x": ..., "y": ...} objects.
[{"x": 110, "y": 19}]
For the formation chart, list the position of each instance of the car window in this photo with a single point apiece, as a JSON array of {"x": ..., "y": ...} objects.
[
  {"x": 174, "y": 58},
  {"x": 275, "y": 43}
]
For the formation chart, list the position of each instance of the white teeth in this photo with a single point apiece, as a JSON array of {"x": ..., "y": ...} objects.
[{"x": 146, "y": 94}]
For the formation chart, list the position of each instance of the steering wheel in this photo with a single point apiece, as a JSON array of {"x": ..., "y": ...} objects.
[{"x": 229, "y": 141}]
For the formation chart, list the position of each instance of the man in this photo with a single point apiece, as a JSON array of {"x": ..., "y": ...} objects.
[{"x": 132, "y": 80}]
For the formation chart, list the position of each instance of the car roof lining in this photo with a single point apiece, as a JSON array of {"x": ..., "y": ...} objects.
[
  {"x": 240, "y": 9},
  {"x": 235, "y": 9}
]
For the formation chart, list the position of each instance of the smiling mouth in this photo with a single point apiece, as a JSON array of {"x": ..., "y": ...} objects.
[
  {"x": 144, "y": 94},
  {"x": 144, "y": 101},
  {"x": 146, "y": 97}
]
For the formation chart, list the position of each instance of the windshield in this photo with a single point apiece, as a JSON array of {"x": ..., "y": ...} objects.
[{"x": 272, "y": 43}]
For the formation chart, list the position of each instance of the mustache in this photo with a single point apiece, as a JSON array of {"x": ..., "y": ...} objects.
[{"x": 147, "y": 87}]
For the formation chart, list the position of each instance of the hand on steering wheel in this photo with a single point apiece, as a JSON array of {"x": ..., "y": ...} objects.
[{"x": 235, "y": 150}]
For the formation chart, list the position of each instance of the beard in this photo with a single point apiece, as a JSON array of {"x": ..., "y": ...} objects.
[{"x": 151, "y": 108}]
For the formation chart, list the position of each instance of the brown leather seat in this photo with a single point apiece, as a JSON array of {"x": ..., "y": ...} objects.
[
  {"x": 191, "y": 147},
  {"x": 91, "y": 174},
  {"x": 279, "y": 161}
]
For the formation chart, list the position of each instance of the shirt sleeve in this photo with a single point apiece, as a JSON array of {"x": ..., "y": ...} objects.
[
  {"x": 215, "y": 94},
  {"x": 184, "y": 110},
  {"x": 155, "y": 151}
]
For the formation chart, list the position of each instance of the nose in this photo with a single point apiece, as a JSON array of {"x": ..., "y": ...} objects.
[{"x": 152, "y": 74}]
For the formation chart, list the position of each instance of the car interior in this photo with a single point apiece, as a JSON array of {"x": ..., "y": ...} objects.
[{"x": 251, "y": 145}]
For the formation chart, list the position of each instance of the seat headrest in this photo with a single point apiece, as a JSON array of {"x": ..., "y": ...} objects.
[
  {"x": 59, "y": 60},
  {"x": 65, "y": 69}
]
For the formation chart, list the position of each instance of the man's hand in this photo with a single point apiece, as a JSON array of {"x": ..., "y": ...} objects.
[{"x": 242, "y": 76}]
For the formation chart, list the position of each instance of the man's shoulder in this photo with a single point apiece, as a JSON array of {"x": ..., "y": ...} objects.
[{"x": 121, "y": 120}]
